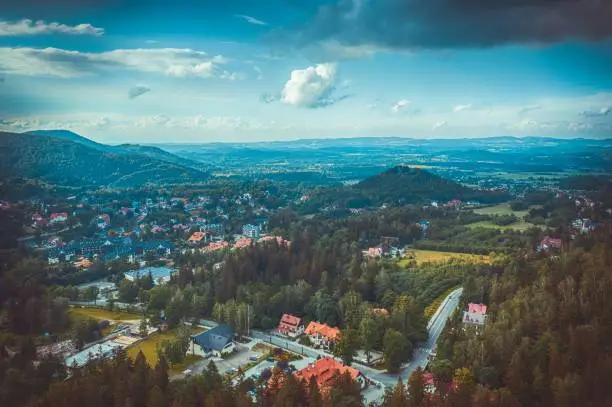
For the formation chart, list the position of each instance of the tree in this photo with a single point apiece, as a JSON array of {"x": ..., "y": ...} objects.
[
  {"x": 416, "y": 387},
  {"x": 142, "y": 330},
  {"x": 396, "y": 350},
  {"x": 397, "y": 397},
  {"x": 157, "y": 398},
  {"x": 442, "y": 370},
  {"x": 369, "y": 335},
  {"x": 346, "y": 346}
]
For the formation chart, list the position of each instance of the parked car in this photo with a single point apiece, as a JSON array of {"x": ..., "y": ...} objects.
[
  {"x": 254, "y": 358},
  {"x": 187, "y": 372}
]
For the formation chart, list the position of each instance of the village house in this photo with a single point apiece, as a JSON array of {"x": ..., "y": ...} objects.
[
  {"x": 322, "y": 335},
  {"x": 215, "y": 246},
  {"x": 196, "y": 238},
  {"x": 252, "y": 231},
  {"x": 216, "y": 342},
  {"x": 159, "y": 275},
  {"x": 475, "y": 315},
  {"x": 243, "y": 242},
  {"x": 380, "y": 311},
  {"x": 56, "y": 218},
  {"x": 279, "y": 240},
  {"x": 290, "y": 326},
  {"x": 373, "y": 252},
  {"x": 548, "y": 243},
  {"x": 325, "y": 370},
  {"x": 103, "y": 221},
  {"x": 83, "y": 263}
]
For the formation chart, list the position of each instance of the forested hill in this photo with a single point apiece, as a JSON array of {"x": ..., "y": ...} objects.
[
  {"x": 69, "y": 163},
  {"x": 399, "y": 185},
  {"x": 413, "y": 185}
]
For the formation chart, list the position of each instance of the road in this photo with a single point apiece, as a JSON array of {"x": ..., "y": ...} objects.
[{"x": 419, "y": 358}]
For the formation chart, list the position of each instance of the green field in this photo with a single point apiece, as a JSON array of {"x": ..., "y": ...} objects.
[
  {"x": 99, "y": 313},
  {"x": 431, "y": 256},
  {"x": 520, "y": 226},
  {"x": 501, "y": 209},
  {"x": 149, "y": 348}
]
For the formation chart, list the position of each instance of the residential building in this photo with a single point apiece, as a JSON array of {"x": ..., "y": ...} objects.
[
  {"x": 279, "y": 240},
  {"x": 83, "y": 263},
  {"x": 105, "y": 350},
  {"x": 322, "y": 334},
  {"x": 215, "y": 246},
  {"x": 373, "y": 252},
  {"x": 290, "y": 326},
  {"x": 243, "y": 242},
  {"x": 103, "y": 221},
  {"x": 216, "y": 342},
  {"x": 475, "y": 315},
  {"x": 548, "y": 243},
  {"x": 325, "y": 370},
  {"x": 160, "y": 275},
  {"x": 252, "y": 231},
  {"x": 60, "y": 217},
  {"x": 197, "y": 237},
  {"x": 380, "y": 311}
]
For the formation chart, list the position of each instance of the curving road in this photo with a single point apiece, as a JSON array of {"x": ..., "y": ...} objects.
[{"x": 419, "y": 358}]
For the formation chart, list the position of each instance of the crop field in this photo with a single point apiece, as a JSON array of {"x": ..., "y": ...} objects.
[
  {"x": 99, "y": 313},
  {"x": 501, "y": 209},
  {"x": 431, "y": 256}
]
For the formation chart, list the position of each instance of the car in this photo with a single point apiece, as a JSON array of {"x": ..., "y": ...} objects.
[
  {"x": 187, "y": 372},
  {"x": 254, "y": 358},
  {"x": 231, "y": 371}
]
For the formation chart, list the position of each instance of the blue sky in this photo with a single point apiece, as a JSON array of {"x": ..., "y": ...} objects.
[{"x": 197, "y": 71}]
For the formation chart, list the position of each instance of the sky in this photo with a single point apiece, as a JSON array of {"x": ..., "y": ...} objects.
[{"x": 157, "y": 71}]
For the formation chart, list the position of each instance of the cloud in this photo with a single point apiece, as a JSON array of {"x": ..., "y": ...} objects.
[
  {"x": 268, "y": 97},
  {"x": 62, "y": 63},
  {"x": 529, "y": 108},
  {"x": 604, "y": 111},
  {"x": 460, "y": 108},
  {"x": 138, "y": 91},
  {"x": 259, "y": 72},
  {"x": 251, "y": 20},
  {"x": 312, "y": 87},
  {"x": 399, "y": 105},
  {"x": 28, "y": 27},
  {"x": 452, "y": 24},
  {"x": 439, "y": 125}
]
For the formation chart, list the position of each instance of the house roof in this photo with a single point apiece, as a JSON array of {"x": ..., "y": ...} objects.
[
  {"x": 215, "y": 338},
  {"x": 288, "y": 319},
  {"x": 477, "y": 308},
  {"x": 324, "y": 370},
  {"x": 380, "y": 311},
  {"x": 197, "y": 237},
  {"x": 323, "y": 330}
]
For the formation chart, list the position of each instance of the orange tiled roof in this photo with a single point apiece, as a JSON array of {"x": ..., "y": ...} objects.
[
  {"x": 324, "y": 370},
  {"x": 289, "y": 321},
  {"x": 324, "y": 330},
  {"x": 197, "y": 237}
]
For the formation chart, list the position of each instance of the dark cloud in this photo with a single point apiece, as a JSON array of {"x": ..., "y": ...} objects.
[
  {"x": 448, "y": 24},
  {"x": 137, "y": 91},
  {"x": 268, "y": 97},
  {"x": 596, "y": 113}
]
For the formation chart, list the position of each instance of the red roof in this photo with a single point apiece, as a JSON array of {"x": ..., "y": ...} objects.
[
  {"x": 315, "y": 328},
  {"x": 552, "y": 242},
  {"x": 477, "y": 308},
  {"x": 289, "y": 323},
  {"x": 324, "y": 370},
  {"x": 59, "y": 215}
]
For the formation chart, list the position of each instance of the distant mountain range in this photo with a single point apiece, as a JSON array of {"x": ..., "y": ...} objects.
[
  {"x": 65, "y": 158},
  {"x": 130, "y": 149}
]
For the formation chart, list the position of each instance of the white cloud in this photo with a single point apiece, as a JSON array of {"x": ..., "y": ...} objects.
[
  {"x": 439, "y": 125},
  {"x": 28, "y": 27},
  {"x": 68, "y": 64},
  {"x": 460, "y": 108},
  {"x": 311, "y": 87},
  {"x": 251, "y": 20},
  {"x": 259, "y": 72},
  {"x": 529, "y": 108},
  {"x": 399, "y": 105}
]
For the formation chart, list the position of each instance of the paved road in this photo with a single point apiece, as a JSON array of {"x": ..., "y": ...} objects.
[{"x": 419, "y": 359}]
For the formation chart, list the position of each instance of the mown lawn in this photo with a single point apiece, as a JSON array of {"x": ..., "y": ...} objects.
[
  {"x": 520, "y": 226},
  {"x": 432, "y": 256},
  {"x": 149, "y": 347},
  {"x": 99, "y": 313}
]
